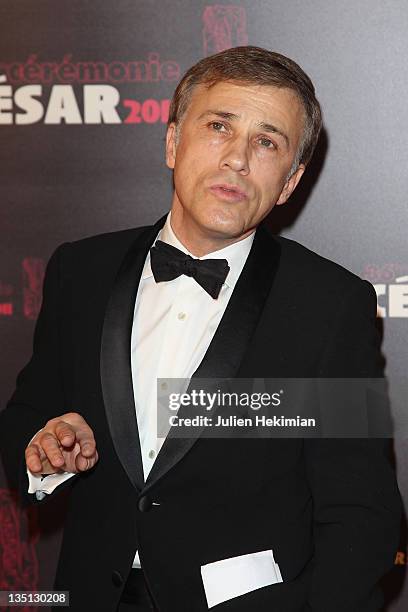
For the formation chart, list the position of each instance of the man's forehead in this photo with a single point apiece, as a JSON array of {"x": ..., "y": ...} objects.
[
  {"x": 235, "y": 93},
  {"x": 267, "y": 104}
]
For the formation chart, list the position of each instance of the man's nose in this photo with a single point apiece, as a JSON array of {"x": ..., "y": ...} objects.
[{"x": 236, "y": 156}]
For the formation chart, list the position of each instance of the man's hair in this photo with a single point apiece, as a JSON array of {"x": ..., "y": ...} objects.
[{"x": 254, "y": 65}]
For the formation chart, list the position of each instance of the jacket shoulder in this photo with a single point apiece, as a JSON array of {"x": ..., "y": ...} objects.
[
  {"x": 314, "y": 268},
  {"x": 102, "y": 247},
  {"x": 108, "y": 239},
  {"x": 95, "y": 256}
]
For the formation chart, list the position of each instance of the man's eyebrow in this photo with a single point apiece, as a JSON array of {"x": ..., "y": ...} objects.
[
  {"x": 267, "y": 127},
  {"x": 218, "y": 113}
]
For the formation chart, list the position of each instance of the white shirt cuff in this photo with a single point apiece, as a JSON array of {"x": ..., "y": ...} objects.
[{"x": 44, "y": 485}]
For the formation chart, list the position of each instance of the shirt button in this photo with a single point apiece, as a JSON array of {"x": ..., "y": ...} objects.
[
  {"x": 151, "y": 454},
  {"x": 181, "y": 316}
]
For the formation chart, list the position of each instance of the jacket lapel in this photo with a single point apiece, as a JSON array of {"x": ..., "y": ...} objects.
[
  {"x": 222, "y": 359},
  {"x": 115, "y": 358},
  {"x": 231, "y": 339}
]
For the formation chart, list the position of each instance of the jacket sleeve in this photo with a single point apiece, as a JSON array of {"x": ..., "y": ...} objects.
[
  {"x": 38, "y": 395},
  {"x": 357, "y": 504}
]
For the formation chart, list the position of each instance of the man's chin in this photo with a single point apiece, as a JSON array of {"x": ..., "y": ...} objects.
[{"x": 222, "y": 231}]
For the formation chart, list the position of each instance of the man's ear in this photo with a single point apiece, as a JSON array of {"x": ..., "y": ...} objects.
[
  {"x": 171, "y": 145},
  {"x": 290, "y": 185}
]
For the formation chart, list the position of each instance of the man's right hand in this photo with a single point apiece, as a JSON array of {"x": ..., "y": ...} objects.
[{"x": 65, "y": 444}]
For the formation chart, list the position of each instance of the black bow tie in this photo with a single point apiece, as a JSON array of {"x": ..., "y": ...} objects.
[{"x": 167, "y": 263}]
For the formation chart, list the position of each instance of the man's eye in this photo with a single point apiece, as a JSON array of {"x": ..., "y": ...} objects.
[
  {"x": 217, "y": 126},
  {"x": 265, "y": 142}
]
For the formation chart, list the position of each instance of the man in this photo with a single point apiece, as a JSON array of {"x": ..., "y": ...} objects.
[{"x": 234, "y": 524}]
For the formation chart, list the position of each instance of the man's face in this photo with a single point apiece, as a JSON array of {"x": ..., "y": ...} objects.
[{"x": 236, "y": 146}]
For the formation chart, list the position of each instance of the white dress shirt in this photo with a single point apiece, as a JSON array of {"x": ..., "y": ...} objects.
[{"x": 173, "y": 325}]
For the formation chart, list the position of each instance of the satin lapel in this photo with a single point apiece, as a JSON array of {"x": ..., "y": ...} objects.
[
  {"x": 231, "y": 339},
  {"x": 115, "y": 358}
]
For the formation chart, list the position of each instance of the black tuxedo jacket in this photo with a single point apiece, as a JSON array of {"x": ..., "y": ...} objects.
[{"x": 328, "y": 508}]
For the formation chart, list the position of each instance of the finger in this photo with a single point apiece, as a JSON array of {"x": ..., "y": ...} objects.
[
  {"x": 85, "y": 463},
  {"x": 33, "y": 458},
  {"x": 65, "y": 433},
  {"x": 86, "y": 441},
  {"x": 82, "y": 463},
  {"x": 51, "y": 448}
]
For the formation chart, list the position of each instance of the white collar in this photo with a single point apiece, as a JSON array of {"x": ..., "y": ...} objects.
[{"x": 236, "y": 253}]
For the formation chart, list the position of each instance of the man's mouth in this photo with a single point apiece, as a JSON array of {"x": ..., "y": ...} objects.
[{"x": 228, "y": 192}]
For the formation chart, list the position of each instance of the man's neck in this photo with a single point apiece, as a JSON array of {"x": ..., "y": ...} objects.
[{"x": 197, "y": 243}]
